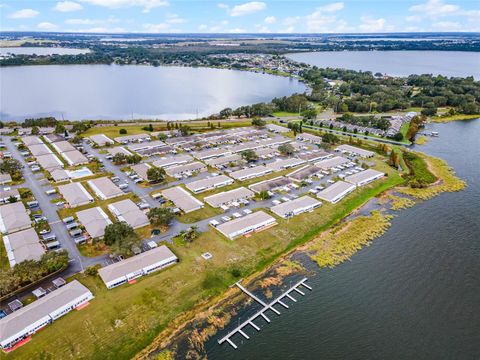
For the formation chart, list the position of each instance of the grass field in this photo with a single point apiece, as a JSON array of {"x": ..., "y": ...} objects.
[
  {"x": 4, "y": 264},
  {"x": 443, "y": 119},
  {"x": 120, "y": 322}
]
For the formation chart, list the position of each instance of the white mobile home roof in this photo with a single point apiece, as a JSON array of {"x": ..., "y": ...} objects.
[
  {"x": 104, "y": 188},
  {"x": 101, "y": 139},
  {"x": 63, "y": 146},
  {"x": 50, "y": 162},
  {"x": 336, "y": 192},
  {"x": 146, "y": 145},
  {"x": 182, "y": 199},
  {"x": 191, "y": 167},
  {"x": 285, "y": 164},
  {"x": 140, "y": 264},
  {"x": 127, "y": 211},
  {"x": 209, "y": 183},
  {"x": 222, "y": 160},
  {"x": 14, "y": 217},
  {"x": 250, "y": 172},
  {"x": 75, "y": 194},
  {"x": 74, "y": 157},
  {"x": 355, "y": 150},
  {"x": 59, "y": 175},
  {"x": 227, "y": 197},
  {"x": 364, "y": 177},
  {"x": 304, "y": 172},
  {"x": 210, "y": 153},
  {"x": 31, "y": 140},
  {"x": 309, "y": 138},
  {"x": 94, "y": 220},
  {"x": 51, "y": 306},
  {"x": 277, "y": 128},
  {"x": 141, "y": 170},
  {"x": 295, "y": 207},
  {"x": 39, "y": 150},
  {"x": 5, "y": 178},
  {"x": 270, "y": 185},
  {"x": 172, "y": 160},
  {"x": 129, "y": 138},
  {"x": 247, "y": 224},
  {"x": 332, "y": 162},
  {"x": 314, "y": 155},
  {"x": 23, "y": 245},
  {"x": 119, "y": 150}
]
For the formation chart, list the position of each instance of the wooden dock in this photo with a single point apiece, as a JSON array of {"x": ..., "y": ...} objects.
[{"x": 266, "y": 307}]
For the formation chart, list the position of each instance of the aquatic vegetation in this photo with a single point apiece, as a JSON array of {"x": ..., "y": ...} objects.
[
  {"x": 399, "y": 202},
  {"x": 340, "y": 243},
  {"x": 447, "y": 180},
  {"x": 421, "y": 140}
]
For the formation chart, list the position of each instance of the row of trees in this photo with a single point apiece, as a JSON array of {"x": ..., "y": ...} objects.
[{"x": 30, "y": 271}]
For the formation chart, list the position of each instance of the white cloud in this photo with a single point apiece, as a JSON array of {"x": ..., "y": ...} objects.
[
  {"x": 247, "y": 8},
  {"x": 288, "y": 30},
  {"x": 435, "y": 8},
  {"x": 323, "y": 19},
  {"x": 237, "y": 31},
  {"x": 67, "y": 6},
  {"x": 414, "y": 18},
  {"x": 223, "y": 6},
  {"x": 332, "y": 7},
  {"x": 81, "y": 21},
  {"x": 175, "y": 19},
  {"x": 147, "y": 5},
  {"x": 369, "y": 24},
  {"x": 157, "y": 28},
  {"x": 270, "y": 20},
  {"x": 24, "y": 14},
  {"x": 47, "y": 26},
  {"x": 447, "y": 26},
  {"x": 291, "y": 20}
]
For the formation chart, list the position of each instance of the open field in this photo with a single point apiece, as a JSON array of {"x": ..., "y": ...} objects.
[
  {"x": 4, "y": 264},
  {"x": 120, "y": 322}
]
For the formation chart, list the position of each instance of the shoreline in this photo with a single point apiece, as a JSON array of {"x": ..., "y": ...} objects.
[{"x": 396, "y": 197}]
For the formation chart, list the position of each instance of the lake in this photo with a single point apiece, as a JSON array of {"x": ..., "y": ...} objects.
[
  {"x": 413, "y": 294},
  {"x": 79, "y": 92},
  {"x": 41, "y": 51},
  {"x": 397, "y": 63}
]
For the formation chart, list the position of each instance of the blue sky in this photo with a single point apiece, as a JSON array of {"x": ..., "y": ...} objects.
[{"x": 170, "y": 16}]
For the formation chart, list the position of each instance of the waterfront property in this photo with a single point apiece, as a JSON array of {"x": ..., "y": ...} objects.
[
  {"x": 246, "y": 225},
  {"x": 336, "y": 192},
  {"x": 95, "y": 220},
  {"x": 250, "y": 172},
  {"x": 182, "y": 199},
  {"x": 139, "y": 265},
  {"x": 230, "y": 197},
  {"x": 295, "y": 207},
  {"x": 20, "y": 325},
  {"x": 75, "y": 194},
  {"x": 14, "y": 217},
  {"x": 353, "y": 150},
  {"x": 211, "y": 183},
  {"x": 364, "y": 177},
  {"x": 127, "y": 211},
  {"x": 104, "y": 188},
  {"x": 23, "y": 245}
]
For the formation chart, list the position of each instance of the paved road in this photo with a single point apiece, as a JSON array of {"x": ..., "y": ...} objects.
[{"x": 33, "y": 182}]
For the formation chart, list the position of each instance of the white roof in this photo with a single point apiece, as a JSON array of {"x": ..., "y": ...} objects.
[
  {"x": 363, "y": 176},
  {"x": 75, "y": 194},
  {"x": 23, "y": 245},
  {"x": 336, "y": 191},
  {"x": 182, "y": 199},
  {"x": 355, "y": 150},
  {"x": 135, "y": 263},
  {"x": 127, "y": 211},
  {"x": 228, "y": 196},
  {"x": 94, "y": 220},
  {"x": 332, "y": 162},
  {"x": 295, "y": 206},
  {"x": 13, "y": 217},
  {"x": 104, "y": 188},
  {"x": 207, "y": 183}
]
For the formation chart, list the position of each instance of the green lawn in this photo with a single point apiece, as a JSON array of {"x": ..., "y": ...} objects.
[
  {"x": 284, "y": 113},
  {"x": 4, "y": 264},
  {"x": 120, "y": 322}
]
